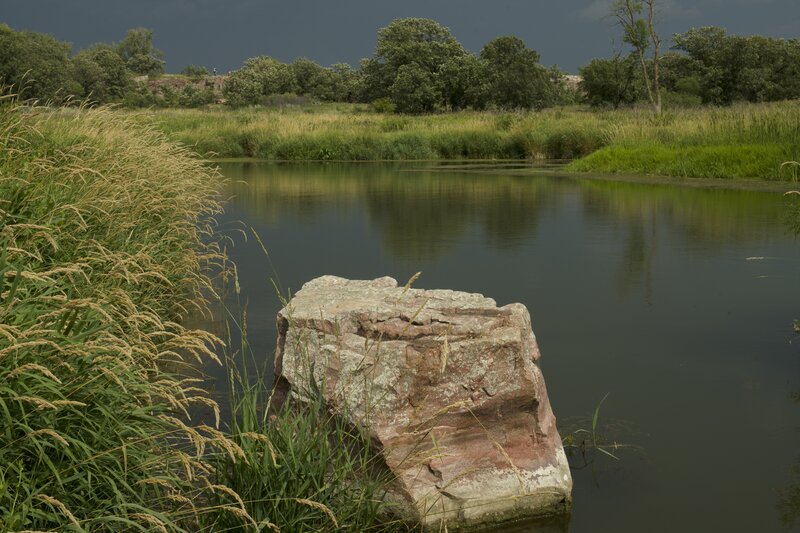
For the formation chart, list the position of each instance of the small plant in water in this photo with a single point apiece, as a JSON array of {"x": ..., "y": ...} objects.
[{"x": 585, "y": 441}]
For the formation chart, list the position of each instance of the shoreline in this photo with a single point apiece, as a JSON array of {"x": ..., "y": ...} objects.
[
  {"x": 744, "y": 141},
  {"x": 546, "y": 169}
]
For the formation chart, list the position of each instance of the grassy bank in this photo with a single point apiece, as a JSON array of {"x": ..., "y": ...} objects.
[
  {"x": 106, "y": 247},
  {"x": 350, "y": 133},
  {"x": 746, "y": 141}
]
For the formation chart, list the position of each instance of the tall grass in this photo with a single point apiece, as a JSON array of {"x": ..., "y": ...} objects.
[
  {"x": 352, "y": 134},
  {"x": 743, "y": 141},
  {"x": 108, "y": 245},
  {"x": 748, "y": 140},
  {"x": 102, "y": 254},
  {"x": 304, "y": 469}
]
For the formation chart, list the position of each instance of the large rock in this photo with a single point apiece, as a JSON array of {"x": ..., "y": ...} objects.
[{"x": 446, "y": 382}]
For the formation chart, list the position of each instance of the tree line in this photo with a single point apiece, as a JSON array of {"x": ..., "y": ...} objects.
[
  {"x": 707, "y": 66},
  {"x": 45, "y": 68},
  {"x": 420, "y": 67}
]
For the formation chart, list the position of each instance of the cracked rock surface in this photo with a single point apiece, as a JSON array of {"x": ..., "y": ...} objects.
[{"x": 446, "y": 382}]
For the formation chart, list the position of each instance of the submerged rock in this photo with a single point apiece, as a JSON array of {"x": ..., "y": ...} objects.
[{"x": 446, "y": 382}]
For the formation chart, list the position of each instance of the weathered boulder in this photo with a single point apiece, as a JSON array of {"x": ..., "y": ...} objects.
[{"x": 446, "y": 382}]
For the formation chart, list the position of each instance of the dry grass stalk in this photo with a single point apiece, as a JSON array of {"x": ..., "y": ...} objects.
[{"x": 106, "y": 245}]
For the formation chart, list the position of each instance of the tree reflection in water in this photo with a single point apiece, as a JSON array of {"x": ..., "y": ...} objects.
[
  {"x": 789, "y": 499},
  {"x": 573, "y": 241},
  {"x": 422, "y": 216}
]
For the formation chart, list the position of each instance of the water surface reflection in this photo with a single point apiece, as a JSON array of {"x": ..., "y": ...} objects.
[{"x": 676, "y": 301}]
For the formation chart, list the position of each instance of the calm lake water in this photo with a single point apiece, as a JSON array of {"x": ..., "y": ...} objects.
[{"x": 676, "y": 302}]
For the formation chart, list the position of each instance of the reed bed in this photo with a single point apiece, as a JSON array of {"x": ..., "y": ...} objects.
[{"x": 747, "y": 140}]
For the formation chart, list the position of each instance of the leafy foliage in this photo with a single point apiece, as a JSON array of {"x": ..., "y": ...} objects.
[
  {"x": 192, "y": 96},
  {"x": 410, "y": 54},
  {"x": 102, "y": 73},
  {"x": 514, "y": 76},
  {"x": 413, "y": 90},
  {"x": 611, "y": 82},
  {"x": 260, "y": 77},
  {"x": 37, "y": 64},
  {"x": 40, "y": 68},
  {"x": 729, "y": 68},
  {"x": 462, "y": 83},
  {"x": 139, "y": 54},
  {"x": 637, "y": 18},
  {"x": 421, "y": 67}
]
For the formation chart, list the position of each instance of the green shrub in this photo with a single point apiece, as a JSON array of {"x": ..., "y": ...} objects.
[
  {"x": 383, "y": 105},
  {"x": 191, "y": 96}
]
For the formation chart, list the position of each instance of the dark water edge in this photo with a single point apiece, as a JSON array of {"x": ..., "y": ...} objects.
[{"x": 676, "y": 301}]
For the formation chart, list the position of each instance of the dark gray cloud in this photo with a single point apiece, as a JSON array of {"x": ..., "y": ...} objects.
[{"x": 221, "y": 34}]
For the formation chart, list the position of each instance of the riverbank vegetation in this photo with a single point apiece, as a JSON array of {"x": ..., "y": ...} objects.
[
  {"x": 101, "y": 256},
  {"x": 107, "y": 248},
  {"x": 742, "y": 141},
  {"x": 726, "y": 104}
]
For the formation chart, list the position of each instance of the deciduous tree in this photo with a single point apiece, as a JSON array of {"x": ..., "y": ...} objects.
[
  {"x": 462, "y": 83},
  {"x": 516, "y": 79},
  {"x": 102, "y": 73},
  {"x": 637, "y": 18},
  {"x": 610, "y": 82},
  {"x": 419, "y": 48},
  {"x": 259, "y": 77},
  {"x": 140, "y": 56},
  {"x": 36, "y": 64},
  {"x": 731, "y": 67},
  {"x": 414, "y": 89}
]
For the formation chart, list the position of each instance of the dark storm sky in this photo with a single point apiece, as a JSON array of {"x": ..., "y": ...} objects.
[{"x": 221, "y": 34}]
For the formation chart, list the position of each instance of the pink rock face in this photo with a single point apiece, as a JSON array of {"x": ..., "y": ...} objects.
[{"x": 446, "y": 382}]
